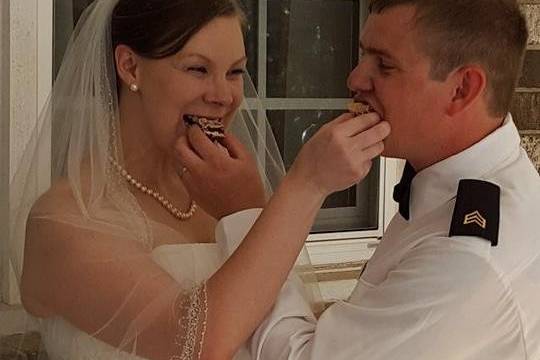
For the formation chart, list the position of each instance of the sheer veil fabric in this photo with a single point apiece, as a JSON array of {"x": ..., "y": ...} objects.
[{"x": 76, "y": 133}]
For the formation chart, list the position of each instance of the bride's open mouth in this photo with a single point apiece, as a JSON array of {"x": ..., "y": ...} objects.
[{"x": 212, "y": 127}]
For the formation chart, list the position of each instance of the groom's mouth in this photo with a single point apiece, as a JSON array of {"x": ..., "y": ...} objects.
[{"x": 212, "y": 127}]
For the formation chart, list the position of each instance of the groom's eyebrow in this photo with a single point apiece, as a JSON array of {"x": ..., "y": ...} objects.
[{"x": 376, "y": 51}]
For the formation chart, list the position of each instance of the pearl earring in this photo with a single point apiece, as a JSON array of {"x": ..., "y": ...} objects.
[{"x": 133, "y": 87}]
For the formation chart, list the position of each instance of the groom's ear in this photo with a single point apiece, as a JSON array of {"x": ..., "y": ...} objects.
[{"x": 127, "y": 63}]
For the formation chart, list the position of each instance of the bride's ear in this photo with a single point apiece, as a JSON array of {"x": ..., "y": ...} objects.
[{"x": 126, "y": 65}]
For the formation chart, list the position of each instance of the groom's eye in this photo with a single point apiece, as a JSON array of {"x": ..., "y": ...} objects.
[{"x": 384, "y": 67}]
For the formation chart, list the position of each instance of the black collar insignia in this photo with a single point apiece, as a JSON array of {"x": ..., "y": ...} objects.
[{"x": 477, "y": 210}]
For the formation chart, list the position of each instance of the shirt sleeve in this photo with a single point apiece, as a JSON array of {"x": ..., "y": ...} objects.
[
  {"x": 288, "y": 331},
  {"x": 232, "y": 229},
  {"x": 438, "y": 303}
]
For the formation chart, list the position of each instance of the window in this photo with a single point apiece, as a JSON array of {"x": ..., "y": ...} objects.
[{"x": 300, "y": 51}]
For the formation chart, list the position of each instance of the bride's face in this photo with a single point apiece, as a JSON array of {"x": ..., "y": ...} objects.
[{"x": 205, "y": 79}]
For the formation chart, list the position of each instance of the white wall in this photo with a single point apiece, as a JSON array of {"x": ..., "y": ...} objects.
[
  {"x": 25, "y": 81},
  {"x": 4, "y": 135}
]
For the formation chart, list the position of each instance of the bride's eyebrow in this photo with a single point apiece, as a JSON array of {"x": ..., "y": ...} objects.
[
  {"x": 243, "y": 59},
  {"x": 207, "y": 59}
]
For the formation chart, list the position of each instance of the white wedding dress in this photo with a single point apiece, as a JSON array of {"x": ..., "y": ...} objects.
[{"x": 197, "y": 262}]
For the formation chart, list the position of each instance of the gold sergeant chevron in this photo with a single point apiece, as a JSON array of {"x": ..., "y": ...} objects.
[{"x": 475, "y": 218}]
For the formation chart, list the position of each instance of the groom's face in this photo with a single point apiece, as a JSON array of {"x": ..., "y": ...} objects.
[{"x": 393, "y": 76}]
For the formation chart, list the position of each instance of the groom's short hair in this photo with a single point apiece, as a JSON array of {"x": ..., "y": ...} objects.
[{"x": 454, "y": 33}]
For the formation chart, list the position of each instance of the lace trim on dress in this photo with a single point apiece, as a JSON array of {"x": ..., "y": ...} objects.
[{"x": 191, "y": 325}]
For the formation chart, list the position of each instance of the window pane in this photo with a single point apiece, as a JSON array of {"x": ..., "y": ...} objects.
[
  {"x": 68, "y": 12},
  {"x": 66, "y": 15},
  {"x": 352, "y": 209},
  {"x": 312, "y": 47},
  {"x": 251, "y": 8}
]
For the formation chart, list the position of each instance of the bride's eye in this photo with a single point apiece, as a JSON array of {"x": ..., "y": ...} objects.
[
  {"x": 237, "y": 72},
  {"x": 201, "y": 70}
]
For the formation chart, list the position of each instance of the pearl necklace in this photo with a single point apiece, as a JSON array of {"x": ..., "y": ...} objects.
[{"x": 180, "y": 215}]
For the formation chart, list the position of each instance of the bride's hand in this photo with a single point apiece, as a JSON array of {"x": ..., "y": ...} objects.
[
  {"x": 221, "y": 178},
  {"x": 339, "y": 155}
]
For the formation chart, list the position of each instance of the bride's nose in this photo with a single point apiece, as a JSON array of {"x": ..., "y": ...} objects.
[{"x": 219, "y": 92}]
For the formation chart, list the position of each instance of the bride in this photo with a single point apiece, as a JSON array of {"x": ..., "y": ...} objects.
[{"x": 128, "y": 252}]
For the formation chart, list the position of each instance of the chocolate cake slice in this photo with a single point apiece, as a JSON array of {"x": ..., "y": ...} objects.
[{"x": 213, "y": 128}]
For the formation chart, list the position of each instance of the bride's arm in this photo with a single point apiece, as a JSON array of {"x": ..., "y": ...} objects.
[
  {"x": 243, "y": 291},
  {"x": 106, "y": 285},
  {"x": 111, "y": 288}
]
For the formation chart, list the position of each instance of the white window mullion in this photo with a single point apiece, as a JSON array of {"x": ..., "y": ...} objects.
[
  {"x": 262, "y": 47},
  {"x": 301, "y": 103},
  {"x": 305, "y": 103}
]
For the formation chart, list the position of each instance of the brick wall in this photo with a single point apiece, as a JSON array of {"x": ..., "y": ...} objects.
[{"x": 526, "y": 105}]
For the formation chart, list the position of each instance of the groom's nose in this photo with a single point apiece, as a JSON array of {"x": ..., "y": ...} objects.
[{"x": 359, "y": 79}]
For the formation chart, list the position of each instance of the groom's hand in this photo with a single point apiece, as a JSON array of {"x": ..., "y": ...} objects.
[
  {"x": 221, "y": 178},
  {"x": 340, "y": 154}
]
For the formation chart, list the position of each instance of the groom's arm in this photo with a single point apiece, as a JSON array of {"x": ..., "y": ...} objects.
[{"x": 288, "y": 331}]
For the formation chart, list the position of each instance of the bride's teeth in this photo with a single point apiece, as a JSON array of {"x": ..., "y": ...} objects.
[{"x": 191, "y": 119}]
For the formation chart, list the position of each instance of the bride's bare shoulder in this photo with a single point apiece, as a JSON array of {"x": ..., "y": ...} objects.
[
  {"x": 45, "y": 240},
  {"x": 59, "y": 199}
]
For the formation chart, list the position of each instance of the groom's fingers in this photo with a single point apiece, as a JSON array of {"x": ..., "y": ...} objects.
[{"x": 185, "y": 154}]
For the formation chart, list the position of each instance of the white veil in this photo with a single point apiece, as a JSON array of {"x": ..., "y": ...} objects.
[{"x": 76, "y": 133}]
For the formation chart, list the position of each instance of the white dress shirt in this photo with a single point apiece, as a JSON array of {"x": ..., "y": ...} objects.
[{"x": 425, "y": 295}]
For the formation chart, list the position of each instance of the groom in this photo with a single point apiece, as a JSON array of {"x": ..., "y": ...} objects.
[{"x": 457, "y": 274}]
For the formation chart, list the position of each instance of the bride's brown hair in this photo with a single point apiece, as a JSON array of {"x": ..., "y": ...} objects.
[{"x": 159, "y": 28}]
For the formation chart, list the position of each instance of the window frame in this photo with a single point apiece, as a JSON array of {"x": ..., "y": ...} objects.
[{"x": 387, "y": 170}]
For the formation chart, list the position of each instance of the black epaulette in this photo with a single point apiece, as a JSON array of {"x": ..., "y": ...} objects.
[{"x": 477, "y": 210}]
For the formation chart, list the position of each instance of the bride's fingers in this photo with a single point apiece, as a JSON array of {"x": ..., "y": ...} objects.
[
  {"x": 358, "y": 124},
  {"x": 372, "y": 151},
  {"x": 343, "y": 118},
  {"x": 371, "y": 136}
]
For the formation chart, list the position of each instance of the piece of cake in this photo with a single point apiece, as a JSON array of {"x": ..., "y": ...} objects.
[
  {"x": 359, "y": 108},
  {"x": 213, "y": 128}
]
